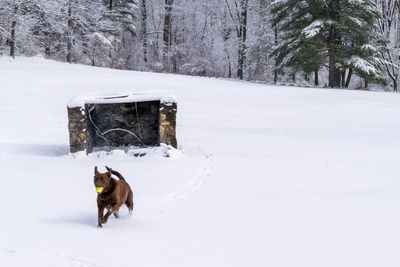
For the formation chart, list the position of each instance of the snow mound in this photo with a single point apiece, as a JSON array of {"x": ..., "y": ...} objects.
[
  {"x": 112, "y": 98},
  {"x": 162, "y": 151}
]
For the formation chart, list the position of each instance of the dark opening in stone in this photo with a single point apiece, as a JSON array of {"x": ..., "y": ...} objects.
[{"x": 124, "y": 124}]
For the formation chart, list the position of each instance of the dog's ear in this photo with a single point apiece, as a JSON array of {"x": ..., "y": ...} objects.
[
  {"x": 109, "y": 171},
  {"x": 95, "y": 170}
]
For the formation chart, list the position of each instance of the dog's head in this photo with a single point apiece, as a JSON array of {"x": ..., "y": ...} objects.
[{"x": 102, "y": 180}]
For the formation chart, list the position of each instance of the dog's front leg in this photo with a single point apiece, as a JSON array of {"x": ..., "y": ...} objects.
[
  {"x": 100, "y": 215},
  {"x": 109, "y": 212}
]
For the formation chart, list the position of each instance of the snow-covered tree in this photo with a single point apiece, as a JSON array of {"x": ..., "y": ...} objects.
[
  {"x": 388, "y": 25},
  {"x": 342, "y": 33},
  {"x": 16, "y": 16},
  {"x": 223, "y": 38},
  {"x": 238, "y": 11},
  {"x": 259, "y": 57}
]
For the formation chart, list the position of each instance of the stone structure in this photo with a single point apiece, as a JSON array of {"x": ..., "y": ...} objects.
[{"x": 120, "y": 121}]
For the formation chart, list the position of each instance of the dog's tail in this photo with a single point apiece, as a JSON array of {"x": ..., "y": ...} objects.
[{"x": 116, "y": 173}]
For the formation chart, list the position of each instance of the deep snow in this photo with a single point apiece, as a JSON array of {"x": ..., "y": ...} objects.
[{"x": 265, "y": 175}]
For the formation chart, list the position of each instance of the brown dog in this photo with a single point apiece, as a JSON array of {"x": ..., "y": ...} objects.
[{"x": 111, "y": 194}]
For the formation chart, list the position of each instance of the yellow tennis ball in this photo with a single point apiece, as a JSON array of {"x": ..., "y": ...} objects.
[{"x": 99, "y": 189}]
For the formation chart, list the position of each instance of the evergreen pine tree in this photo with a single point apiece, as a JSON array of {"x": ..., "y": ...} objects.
[{"x": 340, "y": 33}]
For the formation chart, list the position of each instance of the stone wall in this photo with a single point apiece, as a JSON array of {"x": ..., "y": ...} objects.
[
  {"x": 78, "y": 130},
  {"x": 168, "y": 124},
  {"x": 146, "y": 123}
]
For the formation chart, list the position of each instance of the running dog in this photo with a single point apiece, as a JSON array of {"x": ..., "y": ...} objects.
[{"x": 111, "y": 194}]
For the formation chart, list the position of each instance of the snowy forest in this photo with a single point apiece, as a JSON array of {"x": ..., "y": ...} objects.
[{"x": 327, "y": 43}]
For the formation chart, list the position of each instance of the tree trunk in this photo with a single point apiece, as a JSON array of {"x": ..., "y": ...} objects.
[
  {"x": 333, "y": 42},
  {"x": 144, "y": 30},
  {"x": 242, "y": 34},
  {"x": 12, "y": 39},
  {"x": 316, "y": 78},
  {"x": 343, "y": 76},
  {"x": 276, "y": 43},
  {"x": 94, "y": 56},
  {"x": 365, "y": 83},
  {"x": 228, "y": 58},
  {"x": 348, "y": 78},
  {"x": 47, "y": 51},
  {"x": 331, "y": 68},
  {"x": 226, "y": 32},
  {"x": 241, "y": 60},
  {"x": 167, "y": 32},
  {"x": 69, "y": 37},
  {"x": 229, "y": 63},
  {"x": 337, "y": 78},
  {"x": 13, "y": 26},
  {"x": 111, "y": 5}
]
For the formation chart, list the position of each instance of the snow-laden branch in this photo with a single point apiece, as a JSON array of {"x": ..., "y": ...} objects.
[{"x": 315, "y": 27}]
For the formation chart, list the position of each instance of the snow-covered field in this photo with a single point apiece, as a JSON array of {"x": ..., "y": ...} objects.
[{"x": 265, "y": 175}]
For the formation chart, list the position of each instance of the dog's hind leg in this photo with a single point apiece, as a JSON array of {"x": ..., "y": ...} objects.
[
  {"x": 116, "y": 215},
  {"x": 129, "y": 202}
]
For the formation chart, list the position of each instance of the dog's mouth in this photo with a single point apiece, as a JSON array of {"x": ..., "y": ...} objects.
[{"x": 99, "y": 190}]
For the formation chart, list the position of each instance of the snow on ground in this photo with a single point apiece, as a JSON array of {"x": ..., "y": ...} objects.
[{"x": 265, "y": 175}]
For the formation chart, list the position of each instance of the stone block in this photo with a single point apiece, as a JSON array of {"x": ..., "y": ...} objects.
[{"x": 131, "y": 120}]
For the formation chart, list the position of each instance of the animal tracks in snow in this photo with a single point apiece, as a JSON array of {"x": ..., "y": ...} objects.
[
  {"x": 206, "y": 172},
  {"x": 25, "y": 256},
  {"x": 202, "y": 176},
  {"x": 175, "y": 196}
]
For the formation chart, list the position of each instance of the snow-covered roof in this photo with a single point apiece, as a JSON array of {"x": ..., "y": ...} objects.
[{"x": 81, "y": 100}]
